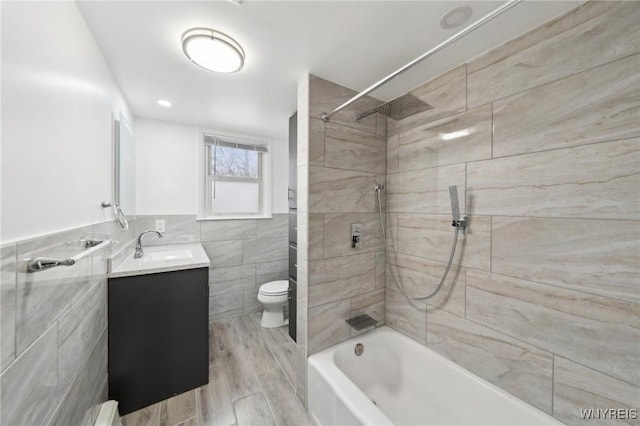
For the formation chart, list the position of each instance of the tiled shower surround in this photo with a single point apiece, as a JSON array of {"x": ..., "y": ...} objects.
[
  {"x": 543, "y": 140},
  {"x": 339, "y": 164},
  {"x": 541, "y": 136},
  {"x": 346, "y": 159}
]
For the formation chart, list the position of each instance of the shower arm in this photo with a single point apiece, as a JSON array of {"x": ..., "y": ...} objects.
[{"x": 466, "y": 30}]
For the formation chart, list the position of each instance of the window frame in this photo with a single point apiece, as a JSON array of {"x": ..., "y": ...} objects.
[{"x": 264, "y": 178}]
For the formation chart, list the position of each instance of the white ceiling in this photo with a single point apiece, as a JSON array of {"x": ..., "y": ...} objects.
[{"x": 352, "y": 43}]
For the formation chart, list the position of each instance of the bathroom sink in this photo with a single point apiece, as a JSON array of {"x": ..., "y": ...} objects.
[
  {"x": 158, "y": 256},
  {"x": 163, "y": 258}
]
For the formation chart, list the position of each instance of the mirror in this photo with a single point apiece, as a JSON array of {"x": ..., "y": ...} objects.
[{"x": 125, "y": 168}]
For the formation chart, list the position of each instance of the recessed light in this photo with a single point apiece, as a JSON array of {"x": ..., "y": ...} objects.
[
  {"x": 164, "y": 103},
  {"x": 213, "y": 50},
  {"x": 455, "y": 17}
]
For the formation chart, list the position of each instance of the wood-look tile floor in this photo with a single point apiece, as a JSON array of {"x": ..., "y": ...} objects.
[{"x": 250, "y": 382}]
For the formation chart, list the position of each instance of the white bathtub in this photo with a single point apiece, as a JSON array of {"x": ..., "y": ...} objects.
[{"x": 410, "y": 384}]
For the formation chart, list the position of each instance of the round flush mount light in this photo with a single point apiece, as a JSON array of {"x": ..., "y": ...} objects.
[
  {"x": 213, "y": 50},
  {"x": 455, "y": 17},
  {"x": 164, "y": 103}
]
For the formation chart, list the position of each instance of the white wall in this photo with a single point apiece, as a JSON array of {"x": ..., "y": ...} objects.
[
  {"x": 166, "y": 168},
  {"x": 58, "y": 104},
  {"x": 280, "y": 176},
  {"x": 168, "y": 180}
]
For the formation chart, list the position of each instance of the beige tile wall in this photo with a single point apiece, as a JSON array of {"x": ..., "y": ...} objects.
[
  {"x": 308, "y": 246},
  {"x": 346, "y": 160},
  {"x": 544, "y": 297}
]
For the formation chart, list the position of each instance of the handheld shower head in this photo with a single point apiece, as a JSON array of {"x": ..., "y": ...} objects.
[{"x": 455, "y": 207}]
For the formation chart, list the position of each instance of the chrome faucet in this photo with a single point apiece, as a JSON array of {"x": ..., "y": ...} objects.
[{"x": 139, "y": 252}]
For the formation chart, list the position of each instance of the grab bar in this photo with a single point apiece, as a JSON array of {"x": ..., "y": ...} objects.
[{"x": 43, "y": 263}]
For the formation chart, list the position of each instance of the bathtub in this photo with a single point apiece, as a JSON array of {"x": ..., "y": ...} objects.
[{"x": 397, "y": 381}]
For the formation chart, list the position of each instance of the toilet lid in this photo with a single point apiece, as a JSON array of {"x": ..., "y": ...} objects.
[{"x": 275, "y": 287}]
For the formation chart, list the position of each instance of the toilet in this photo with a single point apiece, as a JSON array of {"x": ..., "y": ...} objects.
[{"x": 274, "y": 297}]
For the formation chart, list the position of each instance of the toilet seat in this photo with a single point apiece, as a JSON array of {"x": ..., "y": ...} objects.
[{"x": 275, "y": 288}]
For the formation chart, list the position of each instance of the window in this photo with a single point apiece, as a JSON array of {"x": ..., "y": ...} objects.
[{"x": 236, "y": 177}]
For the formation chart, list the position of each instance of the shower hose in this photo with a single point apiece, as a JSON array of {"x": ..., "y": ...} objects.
[{"x": 386, "y": 250}]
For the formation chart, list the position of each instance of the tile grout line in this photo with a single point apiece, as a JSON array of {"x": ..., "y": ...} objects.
[
  {"x": 594, "y": 67},
  {"x": 262, "y": 390},
  {"x": 465, "y": 293},
  {"x": 466, "y": 190},
  {"x": 15, "y": 311},
  {"x": 466, "y": 86},
  {"x": 547, "y": 284},
  {"x": 490, "y": 243},
  {"x": 188, "y": 419},
  {"x": 158, "y": 409},
  {"x": 488, "y": 215},
  {"x": 553, "y": 381},
  {"x": 492, "y": 127},
  {"x": 293, "y": 385},
  {"x": 518, "y": 154},
  {"x": 198, "y": 403},
  {"x": 553, "y": 354},
  {"x": 85, "y": 366},
  {"x": 59, "y": 398}
]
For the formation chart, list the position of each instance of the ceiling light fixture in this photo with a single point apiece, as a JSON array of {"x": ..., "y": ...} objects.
[
  {"x": 213, "y": 50},
  {"x": 455, "y": 17},
  {"x": 164, "y": 103}
]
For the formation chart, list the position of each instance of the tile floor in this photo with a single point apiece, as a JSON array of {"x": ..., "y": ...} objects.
[{"x": 251, "y": 382}]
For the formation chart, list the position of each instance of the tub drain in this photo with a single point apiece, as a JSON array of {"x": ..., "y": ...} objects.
[{"x": 359, "y": 349}]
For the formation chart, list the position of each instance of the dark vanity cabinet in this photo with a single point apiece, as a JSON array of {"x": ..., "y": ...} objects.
[
  {"x": 158, "y": 336},
  {"x": 293, "y": 228}
]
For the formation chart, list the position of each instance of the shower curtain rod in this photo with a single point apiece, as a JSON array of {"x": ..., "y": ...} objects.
[{"x": 466, "y": 30}]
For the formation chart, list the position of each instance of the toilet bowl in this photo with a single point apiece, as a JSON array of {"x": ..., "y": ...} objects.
[{"x": 273, "y": 297}]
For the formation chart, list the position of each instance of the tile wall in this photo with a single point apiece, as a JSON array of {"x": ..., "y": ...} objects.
[
  {"x": 346, "y": 159},
  {"x": 53, "y": 356},
  {"x": 304, "y": 247},
  {"x": 54, "y": 342},
  {"x": 542, "y": 135},
  {"x": 244, "y": 254}
]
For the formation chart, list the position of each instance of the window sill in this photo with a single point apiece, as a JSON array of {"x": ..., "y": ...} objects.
[{"x": 203, "y": 219}]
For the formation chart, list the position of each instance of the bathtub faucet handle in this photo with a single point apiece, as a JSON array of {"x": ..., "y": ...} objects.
[{"x": 356, "y": 234}]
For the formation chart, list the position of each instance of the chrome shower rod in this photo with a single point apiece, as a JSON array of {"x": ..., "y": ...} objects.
[{"x": 466, "y": 30}]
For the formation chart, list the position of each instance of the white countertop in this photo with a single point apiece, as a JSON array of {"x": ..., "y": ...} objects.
[{"x": 171, "y": 257}]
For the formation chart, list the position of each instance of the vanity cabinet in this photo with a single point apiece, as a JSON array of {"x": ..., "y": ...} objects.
[{"x": 158, "y": 336}]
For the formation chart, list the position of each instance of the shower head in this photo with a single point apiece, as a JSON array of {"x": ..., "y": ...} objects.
[
  {"x": 455, "y": 208},
  {"x": 399, "y": 108}
]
